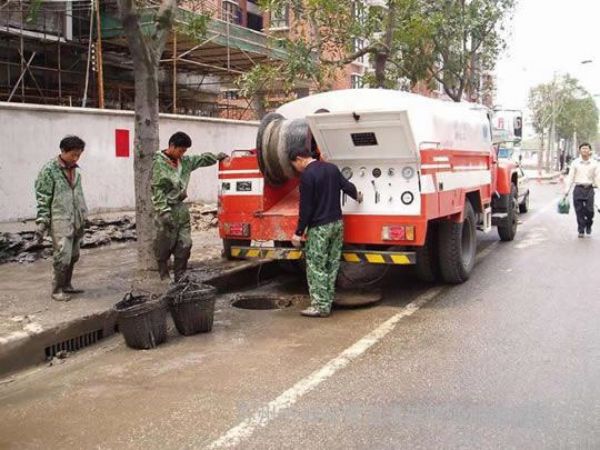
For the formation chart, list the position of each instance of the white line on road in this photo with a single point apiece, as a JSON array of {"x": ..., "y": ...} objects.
[{"x": 269, "y": 412}]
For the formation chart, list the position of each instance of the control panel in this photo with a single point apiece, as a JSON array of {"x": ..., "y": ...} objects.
[{"x": 388, "y": 188}]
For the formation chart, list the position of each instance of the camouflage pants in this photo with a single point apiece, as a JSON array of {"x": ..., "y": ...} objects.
[
  {"x": 66, "y": 239},
  {"x": 323, "y": 252},
  {"x": 176, "y": 241}
]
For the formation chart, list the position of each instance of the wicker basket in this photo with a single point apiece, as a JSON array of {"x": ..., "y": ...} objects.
[
  {"x": 142, "y": 321},
  {"x": 192, "y": 306}
]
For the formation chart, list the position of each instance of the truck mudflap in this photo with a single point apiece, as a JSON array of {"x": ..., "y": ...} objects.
[{"x": 351, "y": 256}]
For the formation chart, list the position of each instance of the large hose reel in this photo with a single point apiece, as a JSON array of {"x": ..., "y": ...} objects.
[{"x": 276, "y": 137}]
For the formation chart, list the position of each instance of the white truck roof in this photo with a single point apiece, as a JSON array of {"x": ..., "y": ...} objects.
[{"x": 449, "y": 125}]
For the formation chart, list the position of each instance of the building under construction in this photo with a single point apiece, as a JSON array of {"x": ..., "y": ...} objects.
[{"x": 75, "y": 54}]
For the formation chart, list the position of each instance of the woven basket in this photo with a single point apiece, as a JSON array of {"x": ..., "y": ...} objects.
[
  {"x": 142, "y": 321},
  {"x": 192, "y": 307}
]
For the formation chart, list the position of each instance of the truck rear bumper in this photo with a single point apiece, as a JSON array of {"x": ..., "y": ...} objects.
[{"x": 351, "y": 256}]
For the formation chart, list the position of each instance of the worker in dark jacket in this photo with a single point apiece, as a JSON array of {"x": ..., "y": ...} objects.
[
  {"x": 171, "y": 172},
  {"x": 320, "y": 216},
  {"x": 61, "y": 212}
]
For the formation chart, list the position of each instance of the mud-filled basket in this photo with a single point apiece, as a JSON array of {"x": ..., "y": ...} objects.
[
  {"x": 192, "y": 306},
  {"x": 142, "y": 320}
]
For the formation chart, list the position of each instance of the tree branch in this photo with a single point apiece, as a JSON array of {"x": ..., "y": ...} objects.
[
  {"x": 135, "y": 38},
  {"x": 164, "y": 24}
]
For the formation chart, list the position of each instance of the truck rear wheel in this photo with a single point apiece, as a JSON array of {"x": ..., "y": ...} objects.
[
  {"x": 457, "y": 247},
  {"x": 508, "y": 229},
  {"x": 427, "y": 266}
]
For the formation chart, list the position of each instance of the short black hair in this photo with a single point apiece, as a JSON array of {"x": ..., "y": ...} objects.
[
  {"x": 299, "y": 152},
  {"x": 180, "y": 139},
  {"x": 585, "y": 144},
  {"x": 70, "y": 143}
]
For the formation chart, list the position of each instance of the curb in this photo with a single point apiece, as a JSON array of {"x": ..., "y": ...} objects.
[{"x": 25, "y": 349}]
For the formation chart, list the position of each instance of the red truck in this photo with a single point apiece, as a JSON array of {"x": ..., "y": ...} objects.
[{"x": 428, "y": 171}]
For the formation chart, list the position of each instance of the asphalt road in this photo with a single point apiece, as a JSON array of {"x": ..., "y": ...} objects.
[{"x": 510, "y": 359}]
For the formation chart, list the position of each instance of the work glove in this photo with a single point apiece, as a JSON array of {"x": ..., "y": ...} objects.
[
  {"x": 296, "y": 241},
  {"x": 40, "y": 232},
  {"x": 221, "y": 156},
  {"x": 166, "y": 221}
]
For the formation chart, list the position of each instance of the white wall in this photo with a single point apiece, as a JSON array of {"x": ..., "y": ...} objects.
[{"x": 30, "y": 135}]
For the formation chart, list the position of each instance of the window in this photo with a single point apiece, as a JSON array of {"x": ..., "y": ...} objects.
[
  {"x": 359, "y": 11},
  {"x": 356, "y": 81},
  {"x": 358, "y": 45},
  {"x": 280, "y": 17}
]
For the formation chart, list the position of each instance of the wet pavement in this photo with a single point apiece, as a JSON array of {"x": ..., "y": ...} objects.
[{"x": 509, "y": 359}]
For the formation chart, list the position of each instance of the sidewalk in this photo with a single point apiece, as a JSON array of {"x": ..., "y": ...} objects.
[
  {"x": 534, "y": 174},
  {"x": 33, "y": 326}
]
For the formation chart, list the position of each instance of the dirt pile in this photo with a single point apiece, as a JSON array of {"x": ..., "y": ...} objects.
[
  {"x": 204, "y": 217},
  {"x": 22, "y": 247}
]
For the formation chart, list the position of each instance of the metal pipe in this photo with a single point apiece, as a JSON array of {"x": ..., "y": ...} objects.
[{"x": 19, "y": 81}]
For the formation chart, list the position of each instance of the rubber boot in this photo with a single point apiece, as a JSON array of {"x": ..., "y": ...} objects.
[
  {"x": 68, "y": 288},
  {"x": 179, "y": 268},
  {"x": 163, "y": 269},
  {"x": 58, "y": 283}
]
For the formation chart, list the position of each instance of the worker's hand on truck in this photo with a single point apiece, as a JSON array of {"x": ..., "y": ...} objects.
[{"x": 296, "y": 240}]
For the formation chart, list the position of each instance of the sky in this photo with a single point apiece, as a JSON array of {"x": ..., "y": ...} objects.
[{"x": 548, "y": 36}]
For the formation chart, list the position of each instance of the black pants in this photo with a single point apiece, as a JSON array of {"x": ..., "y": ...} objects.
[{"x": 583, "y": 200}]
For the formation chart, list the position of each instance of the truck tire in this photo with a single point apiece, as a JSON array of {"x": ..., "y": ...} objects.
[
  {"x": 524, "y": 205},
  {"x": 427, "y": 267},
  {"x": 508, "y": 229},
  {"x": 457, "y": 247}
]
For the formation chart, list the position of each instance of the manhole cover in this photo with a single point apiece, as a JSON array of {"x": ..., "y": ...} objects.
[{"x": 261, "y": 302}]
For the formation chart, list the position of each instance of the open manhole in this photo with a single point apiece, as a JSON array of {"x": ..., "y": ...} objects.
[{"x": 262, "y": 301}]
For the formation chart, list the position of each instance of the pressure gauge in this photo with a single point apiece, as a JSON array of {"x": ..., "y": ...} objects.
[
  {"x": 362, "y": 171},
  {"x": 391, "y": 172},
  {"x": 376, "y": 172},
  {"x": 408, "y": 172},
  {"x": 407, "y": 197},
  {"x": 347, "y": 173}
]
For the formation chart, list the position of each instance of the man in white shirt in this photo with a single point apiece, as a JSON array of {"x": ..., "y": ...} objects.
[{"x": 584, "y": 175}]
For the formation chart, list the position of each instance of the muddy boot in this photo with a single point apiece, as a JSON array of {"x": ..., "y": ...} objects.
[
  {"x": 58, "y": 283},
  {"x": 179, "y": 268},
  {"x": 163, "y": 269},
  {"x": 68, "y": 287}
]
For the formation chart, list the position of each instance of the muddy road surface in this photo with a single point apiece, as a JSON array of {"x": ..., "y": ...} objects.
[{"x": 510, "y": 359}]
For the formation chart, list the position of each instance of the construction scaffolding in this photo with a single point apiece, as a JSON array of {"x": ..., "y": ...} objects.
[{"x": 74, "y": 53}]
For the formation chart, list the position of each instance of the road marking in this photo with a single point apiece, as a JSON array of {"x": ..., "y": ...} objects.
[{"x": 287, "y": 399}]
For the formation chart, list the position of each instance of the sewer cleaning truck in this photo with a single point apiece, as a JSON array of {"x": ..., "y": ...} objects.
[{"x": 428, "y": 171}]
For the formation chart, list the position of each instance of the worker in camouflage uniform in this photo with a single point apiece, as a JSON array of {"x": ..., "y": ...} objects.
[
  {"x": 61, "y": 211},
  {"x": 171, "y": 173},
  {"x": 320, "y": 215}
]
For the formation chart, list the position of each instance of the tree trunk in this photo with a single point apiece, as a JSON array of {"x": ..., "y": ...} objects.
[
  {"x": 541, "y": 153},
  {"x": 145, "y": 52},
  {"x": 146, "y": 144},
  {"x": 381, "y": 58}
]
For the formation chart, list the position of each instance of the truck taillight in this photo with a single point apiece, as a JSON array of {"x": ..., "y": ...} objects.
[
  {"x": 237, "y": 229},
  {"x": 398, "y": 233}
]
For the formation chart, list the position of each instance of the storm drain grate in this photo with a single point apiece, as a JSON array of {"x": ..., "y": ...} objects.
[{"x": 74, "y": 344}]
